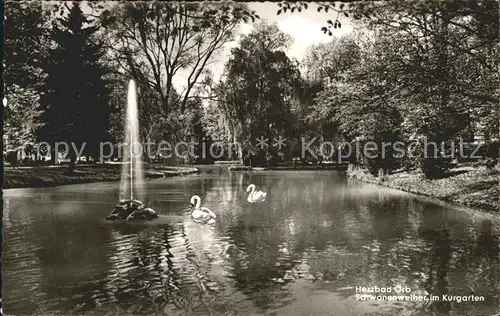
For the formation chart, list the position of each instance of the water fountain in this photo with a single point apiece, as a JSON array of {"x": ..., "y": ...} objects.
[
  {"x": 132, "y": 176},
  {"x": 132, "y": 173}
]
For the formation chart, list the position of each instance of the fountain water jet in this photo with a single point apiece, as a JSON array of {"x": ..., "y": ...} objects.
[
  {"x": 132, "y": 173},
  {"x": 132, "y": 176}
]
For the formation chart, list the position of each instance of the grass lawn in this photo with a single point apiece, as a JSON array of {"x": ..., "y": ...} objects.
[
  {"x": 474, "y": 186},
  {"x": 46, "y": 176}
]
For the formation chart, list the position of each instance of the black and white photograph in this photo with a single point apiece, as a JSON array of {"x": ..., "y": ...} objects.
[{"x": 251, "y": 158}]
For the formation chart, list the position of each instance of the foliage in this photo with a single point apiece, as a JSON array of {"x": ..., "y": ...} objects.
[
  {"x": 26, "y": 44},
  {"x": 76, "y": 108},
  {"x": 160, "y": 43},
  {"x": 26, "y": 47},
  {"x": 356, "y": 10},
  {"x": 21, "y": 117},
  {"x": 426, "y": 73},
  {"x": 331, "y": 59},
  {"x": 411, "y": 69},
  {"x": 167, "y": 48},
  {"x": 260, "y": 87},
  {"x": 434, "y": 167}
]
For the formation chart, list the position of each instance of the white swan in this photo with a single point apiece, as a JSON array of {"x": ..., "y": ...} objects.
[
  {"x": 201, "y": 214},
  {"x": 255, "y": 196}
]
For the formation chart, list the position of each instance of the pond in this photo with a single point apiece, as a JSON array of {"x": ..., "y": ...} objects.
[{"x": 306, "y": 250}]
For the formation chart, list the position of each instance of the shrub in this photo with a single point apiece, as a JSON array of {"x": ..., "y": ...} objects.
[
  {"x": 386, "y": 162},
  {"x": 493, "y": 150},
  {"x": 431, "y": 161},
  {"x": 490, "y": 163},
  {"x": 373, "y": 165},
  {"x": 11, "y": 158},
  {"x": 435, "y": 167}
]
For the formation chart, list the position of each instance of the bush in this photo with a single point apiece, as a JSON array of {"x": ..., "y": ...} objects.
[
  {"x": 493, "y": 150},
  {"x": 490, "y": 163},
  {"x": 434, "y": 168},
  {"x": 11, "y": 158},
  {"x": 431, "y": 161},
  {"x": 407, "y": 163},
  {"x": 386, "y": 164},
  {"x": 373, "y": 166}
]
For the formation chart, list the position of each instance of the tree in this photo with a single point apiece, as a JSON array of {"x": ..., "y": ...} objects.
[
  {"x": 260, "y": 87},
  {"x": 26, "y": 47},
  {"x": 447, "y": 68},
  {"x": 331, "y": 59},
  {"x": 159, "y": 43},
  {"x": 21, "y": 117},
  {"x": 76, "y": 107},
  {"x": 26, "y": 44},
  {"x": 359, "y": 101},
  {"x": 325, "y": 65},
  {"x": 429, "y": 64}
]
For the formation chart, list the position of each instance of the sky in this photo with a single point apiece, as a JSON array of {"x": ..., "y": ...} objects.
[{"x": 304, "y": 28}]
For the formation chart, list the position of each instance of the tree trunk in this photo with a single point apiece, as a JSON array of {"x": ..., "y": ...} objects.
[
  {"x": 72, "y": 162},
  {"x": 241, "y": 158},
  {"x": 52, "y": 155}
]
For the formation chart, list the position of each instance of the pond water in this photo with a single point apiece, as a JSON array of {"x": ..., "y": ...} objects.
[{"x": 303, "y": 251}]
